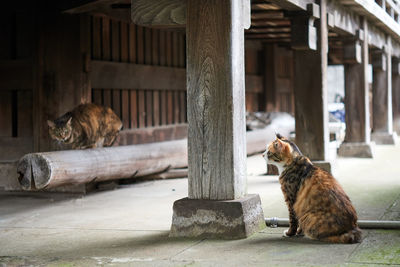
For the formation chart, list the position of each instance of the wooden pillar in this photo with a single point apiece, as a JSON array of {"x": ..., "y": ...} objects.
[
  {"x": 270, "y": 98},
  {"x": 396, "y": 94},
  {"x": 357, "y": 139},
  {"x": 310, "y": 91},
  {"x": 216, "y": 118},
  {"x": 382, "y": 119},
  {"x": 216, "y": 112}
]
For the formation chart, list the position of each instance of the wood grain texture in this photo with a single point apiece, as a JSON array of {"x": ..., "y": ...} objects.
[
  {"x": 382, "y": 98},
  {"x": 133, "y": 109},
  {"x": 160, "y": 12},
  {"x": 216, "y": 112},
  {"x": 310, "y": 83},
  {"x": 50, "y": 169},
  {"x": 357, "y": 97},
  {"x": 125, "y": 75}
]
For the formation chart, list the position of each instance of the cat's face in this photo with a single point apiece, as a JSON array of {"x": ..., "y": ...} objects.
[
  {"x": 277, "y": 151},
  {"x": 280, "y": 152},
  {"x": 60, "y": 132}
]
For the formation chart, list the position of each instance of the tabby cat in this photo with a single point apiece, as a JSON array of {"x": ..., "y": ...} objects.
[
  {"x": 86, "y": 126},
  {"x": 318, "y": 205}
]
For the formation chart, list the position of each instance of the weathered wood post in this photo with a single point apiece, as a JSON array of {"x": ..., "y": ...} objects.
[
  {"x": 396, "y": 94},
  {"x": 382, "y": 118},
  {"x": 218, "y": 204},
  {"x": 357, "y": 142},
  {"x": 310, "y": 82}
]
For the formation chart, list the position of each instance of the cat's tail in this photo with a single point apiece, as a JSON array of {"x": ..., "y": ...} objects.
[{"x": 352, "y": 236}]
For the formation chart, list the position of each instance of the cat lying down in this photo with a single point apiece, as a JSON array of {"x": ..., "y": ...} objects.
[
  {"x": 318, "y": 206},
  {"x": 86, "y": 126}
]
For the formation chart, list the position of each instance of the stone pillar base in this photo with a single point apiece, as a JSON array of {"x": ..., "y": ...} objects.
[
  {"x": 225, "y": 219},
  {"x": 325, "y": 165},
  {"x": 382, "y": 138},
  {"x": 356, "y": 150}
]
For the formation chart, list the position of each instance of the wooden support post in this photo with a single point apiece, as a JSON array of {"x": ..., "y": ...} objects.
[
  {"x": 382, "y": 130},
  {"x": 396, "y": 94},
  {"x": 357, "y": 139},
  {"x": 310, "y": 83},
  {"x": 216, "y": 134}
]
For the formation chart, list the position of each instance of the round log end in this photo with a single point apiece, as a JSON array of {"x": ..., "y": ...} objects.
[{"x": 34, "y": 172}]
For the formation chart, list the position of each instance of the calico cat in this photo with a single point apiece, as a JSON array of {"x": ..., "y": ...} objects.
[
  {"x": 86, "y": 126},
  {"x": 318, "y": 205}
]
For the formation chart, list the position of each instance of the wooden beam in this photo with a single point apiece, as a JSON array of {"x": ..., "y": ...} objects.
[
  {"x": 116, "y": 75},
  {"x": 160, "y": 12},
  {"x": 106, "y": 74},
  {"x": 172, "y": 13}
]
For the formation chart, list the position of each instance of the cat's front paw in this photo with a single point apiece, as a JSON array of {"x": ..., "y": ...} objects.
[{"x": 289, "y": 233}]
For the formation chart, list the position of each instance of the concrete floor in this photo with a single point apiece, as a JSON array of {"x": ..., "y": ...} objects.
[{"x": 129, "y": 226}]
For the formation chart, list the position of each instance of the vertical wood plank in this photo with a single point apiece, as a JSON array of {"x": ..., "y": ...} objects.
[
  {"x": 116, "y": 101},
  {"x": 96, "y": 37},
  {"x": 105, "y": 42},
  {"x": 140, "y": 44},
  {"x": 133, "y": 109},
  {"x": 141, "y": 109},
  {"x": 24, "y": 115},
  {"x": 168, "y": 41},
  {"x": 149, "y": 108},
  {"x": 176, "y": 106},
  {"x": 5, "y": 114},
  {"x": 132, "y": 43},
  {"x": 155, "y": 47},
  {"x": 124, "y": 42},
  {"x": 147, "y": 46},
  {"x": 156, "y": 108},
  {"x": 107, "y": 98},
  {"x": 163, "y": 48},
  {"x": 163, "y": 107},
  {"x": 182, "y": 51},
  {"x": 96, "y": 96},
  {"x": 175, "y": 50},
  {"x": 115, "y": 41},
  {"x": 182, "y": 106},
  {"x": 170, "y": 107},
  {"x": 125, "y": 108}
]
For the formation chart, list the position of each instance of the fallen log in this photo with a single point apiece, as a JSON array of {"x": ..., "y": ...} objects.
[{"x": 51, "y": 169}]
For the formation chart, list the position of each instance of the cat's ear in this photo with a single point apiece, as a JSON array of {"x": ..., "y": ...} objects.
[
  {"x": 51, "y": 124},
  {"x": 69, "y": 121},
  {"x": 278, "y": 136}
]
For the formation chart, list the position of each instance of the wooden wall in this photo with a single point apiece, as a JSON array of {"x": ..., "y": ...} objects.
[
  {"x": 16, "y": 88},
  {"x": 50, "y": 62},
  {"x": 139, "y": 107}
]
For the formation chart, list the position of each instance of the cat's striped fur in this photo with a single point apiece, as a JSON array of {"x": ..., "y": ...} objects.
[{"x": 86, "y": 126}]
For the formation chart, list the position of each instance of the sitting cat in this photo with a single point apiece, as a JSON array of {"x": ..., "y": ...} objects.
[
  {"x": 86, "y": 126},
  {"x": 318, "y": 205}
]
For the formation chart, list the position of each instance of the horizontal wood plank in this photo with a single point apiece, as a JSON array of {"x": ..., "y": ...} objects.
[{"x": 116, "y": 75}]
